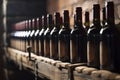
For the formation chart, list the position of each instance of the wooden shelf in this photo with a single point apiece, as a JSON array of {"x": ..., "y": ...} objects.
[{"x": 57, "y": 70}]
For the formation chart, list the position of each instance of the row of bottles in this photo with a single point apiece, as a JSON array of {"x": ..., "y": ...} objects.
[{"x": 97, "y": 45}]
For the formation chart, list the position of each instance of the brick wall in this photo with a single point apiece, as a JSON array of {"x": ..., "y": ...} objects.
[{"x": 60, "y": 5}]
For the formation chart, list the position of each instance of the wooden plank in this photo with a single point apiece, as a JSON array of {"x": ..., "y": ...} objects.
[{"x": 57, "y": 70}]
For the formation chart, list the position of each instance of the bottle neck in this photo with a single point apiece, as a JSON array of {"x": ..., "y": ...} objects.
[
  {"x": 26, "y": 25},
  {"x": 66, "y": 23},
  {"x": 104, "y": 16},
  {"x": 30, "y": 25},
  {"x": 87, "y": 20},
  {"x": 39, "y": 23},
  {"x": 96, "y": 15},
  {"x": 96, "y": 22},
  {"x": 57, "y": 20},
  {"x": 49, "y": 21},
  {"x": 110, "y": 13},
  {"x": 78, "y": 17},
  {"x": 44, "y": 22},
  {"x": 35, "y": 25},
  {"x": 66, "y": 20}
]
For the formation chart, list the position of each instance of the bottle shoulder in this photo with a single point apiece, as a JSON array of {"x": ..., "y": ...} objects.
[
  {"x": 108, "y": 30},
  {"x": 54, "y": 31},
  {"x": 64, "y": 31},
  {"x": 32, "y": 33},
  {"x": 93, "y": 30},
  {"x": 41, "y": 32},
  {"x": 47, "y": 31},
  {"x": 78, "y": 31},
  {"x": 37, "y": 32}
]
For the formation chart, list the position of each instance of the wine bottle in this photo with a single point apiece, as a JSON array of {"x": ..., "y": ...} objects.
[
  {"x": 78, "y": 40},
  {"x": 54, "y": 37},
  {"x": 47, "y": 35},
  {"x": 27, "y": 31},
  {"x": 94, "y": 38},
  {"x": 64, "y": 39},
  {"x": 25, "y": 24},
  {"x": 41, "y": 36},
  {"x": 109, "y": 44},
  {"x": 23, "y": 36},
  {"x": 32, "y": 34},
  {"x": 103, "y": 16},
  {"x": 38, "y": 28},
  {"x": 28, "y": 24}
]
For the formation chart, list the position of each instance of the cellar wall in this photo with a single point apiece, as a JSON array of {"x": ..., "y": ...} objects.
[{"x": 60, "y": 5}]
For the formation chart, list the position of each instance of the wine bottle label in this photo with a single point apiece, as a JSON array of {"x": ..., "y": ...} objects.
[{"x": 47, "y": 47}]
